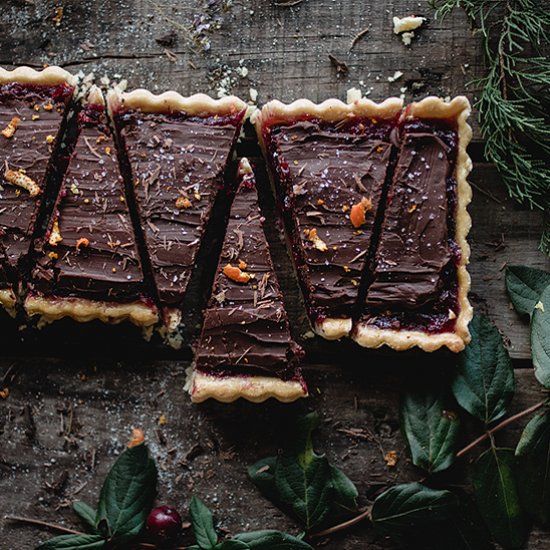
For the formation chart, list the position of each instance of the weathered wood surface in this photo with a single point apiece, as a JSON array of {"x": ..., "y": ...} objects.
[
  {"x": 207, "y": 447},
  {"x": 71, "y": 418}
]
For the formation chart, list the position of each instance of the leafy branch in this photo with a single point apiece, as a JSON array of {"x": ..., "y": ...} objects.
[{"x": 513, "y": 100}]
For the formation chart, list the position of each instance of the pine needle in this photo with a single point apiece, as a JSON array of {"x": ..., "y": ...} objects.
[{"x": 514, "y": 95}]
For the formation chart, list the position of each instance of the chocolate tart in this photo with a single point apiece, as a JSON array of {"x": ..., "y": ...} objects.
[
  {"x": 33, "y": 115},
  {"x": 245, "y": 348},
  {"x": 177, "y": 151},
  {"x": 416, "y": 291},
  {"x": 88, "y": 265},
  {"x": 329, "y": 163}
]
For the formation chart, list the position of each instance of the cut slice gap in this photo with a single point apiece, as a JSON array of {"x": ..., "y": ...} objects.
[
  {"x": 34, "y": 108},
  {"x": 245, "y": 348},
  {"x": 328, "y": 165},
  {"x": 416, "y": 293},
  {"x": 176, "y": 152},
  {"x": 87, "y": 265}
]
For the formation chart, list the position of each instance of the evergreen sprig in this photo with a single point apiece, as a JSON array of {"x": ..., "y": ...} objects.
[{"x": 514, "y": 102}]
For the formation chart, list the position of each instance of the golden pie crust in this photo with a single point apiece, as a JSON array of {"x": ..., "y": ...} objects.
[
  {"x": 332, "y": 111},
  {"x": 50, "y": 76},
  {"x": 226, "y": 389},
  {"x": 8, "y": 301},
  {"x": 372, "y": 337}
]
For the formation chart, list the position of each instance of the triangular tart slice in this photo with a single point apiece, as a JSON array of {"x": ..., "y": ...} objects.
[
  {"x": 33, "y": 114},
  {"x": 245, "y": 348},
  {"x": 177, "y": 150},
  {"x": 88, "y": 265}
]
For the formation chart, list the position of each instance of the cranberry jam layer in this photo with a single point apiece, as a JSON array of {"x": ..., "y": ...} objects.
[
  {"x": 33, "y": 112},
  {"x": 245, "y": 348},
  {"x": 177, "y": 150},
  {"x": 416, "y": 286},
  {"x": 88, "y": 265},
  {"x": 329, "y": 164}
]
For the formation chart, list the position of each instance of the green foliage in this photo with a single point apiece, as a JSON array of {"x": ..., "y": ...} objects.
[
  {"x": 203, "y": 524},
  {"x": 403, "y": 508},
  {"x": 533, "y": 468},
  {"x": 484, "y": 382},
  {"x": 127, "y": 494},
  {"x": 513, "y": 95},
  {"x": 540, "y": 338},
  {"x": 431, "y": 429},
  {"x": 525, "y": 286},
  {"x": 86, "y": 513},
  {"x": 304, "y": 484},
  {"x": 207, "y": 538},
  {"x": 496, "y": 495}
]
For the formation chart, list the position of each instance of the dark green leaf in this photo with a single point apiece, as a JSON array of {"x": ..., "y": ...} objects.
[
  {"x": 345, "y": 492},
  {"x": 431, "y": 429},
  {"x": 232, "y": 544},
  {"x": 86, "y": 513},
  {"x": 525, "y": 286},
  {"x": 262, "y": 474},
  {"x": 272, "y": 540},
  {"x": 497, "y": 497},
  {"x": 304, "y": 484},
  {"x": 304, "y": 487},
  {"x": 533, "y": 471},
  {"x": 484, "y": 382},
  {"x": 464, "y": 531},
  {"x": 540, "y": 338},
  {"x": 74, "y": 542},
  {"x": 404, "y": 507},
  {"x": 127, "y": 494},
  {"x": 203, "y": 524}
]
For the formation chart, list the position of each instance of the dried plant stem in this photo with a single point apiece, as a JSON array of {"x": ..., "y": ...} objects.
[
  {"x": 503, "y": 424},
  {"x": 45, "y": 524},
  {"x": 345, "y": 525}
]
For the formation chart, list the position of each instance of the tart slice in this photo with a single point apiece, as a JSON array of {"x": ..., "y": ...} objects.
[
  {"x": 417, "y": 288},
  {"x": 329, "y": 164},
  {"x": 88, "y": 266},
  {"x": 33, "y": 113},
  {"x": 245, "y": 348},
  {"x": 178, "y": 149}
]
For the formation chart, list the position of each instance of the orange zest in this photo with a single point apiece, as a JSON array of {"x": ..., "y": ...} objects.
[
  {"x": 82, "y": 242},
  {"x": 183, "y": 202},
  {"x": 318, "y": 243},
  {"x": 359, "y": 211},
  {"x": 138, "y": 437},
  {"x": 236, "y": 274},
  {"x": 9, "y": 130}
]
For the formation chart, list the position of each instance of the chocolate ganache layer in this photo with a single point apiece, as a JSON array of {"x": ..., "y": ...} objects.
[
  {"x": 177, "y": 164},
  {"x": 90, "y": 249},
  {"x": 330, "y": 179},
  {"x": 245, "y": 328},
  {"x": 413, "y": 282},
  {"x": 32, "y": 120}
]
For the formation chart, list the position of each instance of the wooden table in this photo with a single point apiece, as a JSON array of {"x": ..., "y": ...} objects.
[{"x": 68, "y": 415}]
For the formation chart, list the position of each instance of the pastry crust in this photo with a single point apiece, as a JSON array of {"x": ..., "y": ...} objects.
[
  {"x": 52, "y": 309},
  {"x": 371, "y": 337},
  {"x": 331, "y": 110},
  {"x": 50, "y": 76},
  {"x": 8, "y": 301},
  {"x": 226, "y": 389},
  {"x": 195, "y": 105}
]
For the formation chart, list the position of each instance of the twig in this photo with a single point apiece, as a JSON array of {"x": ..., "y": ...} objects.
[
  {"x": 41, "y": 523},
  {"x": 358, "y": 37},
  {"x": 288, "y": 4},
  {"x": 341, "y": 526},
  {"x": 503, "y": 424}
]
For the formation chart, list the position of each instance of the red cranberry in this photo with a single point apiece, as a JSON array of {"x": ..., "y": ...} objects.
[{"x": 163, "y": 523}]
